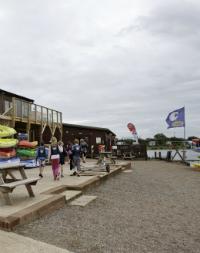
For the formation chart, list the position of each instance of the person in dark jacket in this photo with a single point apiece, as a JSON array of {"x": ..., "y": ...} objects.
[
  {"x": 70, "y": 155},
  {"x": 41, "y": 156},
  {"x": 62, "y": 156},
  {"x": 76, "y": 152},
  {"x": 84, "y": 149}
]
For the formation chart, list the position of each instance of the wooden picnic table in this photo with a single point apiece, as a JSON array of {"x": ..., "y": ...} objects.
[
  {"x": 128, "y": 155},
  {"x": 106, "y": 155},
  {"x": 8, "y": 184}
]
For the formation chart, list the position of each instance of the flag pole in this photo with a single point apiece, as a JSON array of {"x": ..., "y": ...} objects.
[{"x": 184, "y": 146}]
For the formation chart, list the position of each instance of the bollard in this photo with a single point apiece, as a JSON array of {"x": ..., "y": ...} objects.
[
  {"x": 155, "y": 154},
  {"x": 159, "y": 155},
  {"x": 168, "y": 158},
  {"x": 184, "y": 155}
]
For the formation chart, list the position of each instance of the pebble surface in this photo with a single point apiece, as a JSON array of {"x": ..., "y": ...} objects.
[{"x": 156, "y": 208}]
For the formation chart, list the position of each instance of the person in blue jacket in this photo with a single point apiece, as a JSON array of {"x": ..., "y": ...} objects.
[
  {"x": 41, "y": 156},
  {"x": 76, "y": 153}
]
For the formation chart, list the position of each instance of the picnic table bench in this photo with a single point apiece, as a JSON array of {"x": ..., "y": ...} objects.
[
  {"x": 7, "y": 185},
  {"x": 128, "y": 155},
  {"x": 106, "y": 156}
]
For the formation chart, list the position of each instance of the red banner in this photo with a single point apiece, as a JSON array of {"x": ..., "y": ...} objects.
[{"x": 132, "y": 128}]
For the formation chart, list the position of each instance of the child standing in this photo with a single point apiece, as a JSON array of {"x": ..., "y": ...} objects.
[{"x": 41, "y": 156}]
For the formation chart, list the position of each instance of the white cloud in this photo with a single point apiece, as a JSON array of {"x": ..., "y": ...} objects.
[{"x": 105, "y": 63}]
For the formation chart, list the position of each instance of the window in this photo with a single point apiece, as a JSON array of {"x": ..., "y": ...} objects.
[
  {"x": 32, "y": 111},
  {"x": 44, "y": 114},
  {"x": 39, "y": 113},
  {"x": 7, "y": 105},
  {"x": 98, "y": 140},
  {"x": 55, "y": 117},
  {"x": 59, "y": 118},
  {"x": 25, "y": 109},
  {"x": 50, "y": 117},
  {"x": 18, "y": 108}
]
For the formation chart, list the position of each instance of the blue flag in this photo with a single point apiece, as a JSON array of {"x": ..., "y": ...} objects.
[{"x": 176, "y": 118}]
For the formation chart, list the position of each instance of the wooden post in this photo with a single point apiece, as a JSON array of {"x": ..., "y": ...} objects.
[
  {"x": 60, "y": 124},
  {"x": 28, "y": 122},
  {"x": 14, "y": 112},
  {"x": 28, "y": 186},
  {"x": 168, "y": 157}
]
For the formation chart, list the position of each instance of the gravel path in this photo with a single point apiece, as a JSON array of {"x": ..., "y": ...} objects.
[{"x": 156, "y": 208}]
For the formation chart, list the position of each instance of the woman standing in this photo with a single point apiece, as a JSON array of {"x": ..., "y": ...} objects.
[{"x": 54, "y": 156}]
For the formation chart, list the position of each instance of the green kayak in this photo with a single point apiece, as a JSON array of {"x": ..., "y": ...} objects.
[{"x": 26, "y": 152}]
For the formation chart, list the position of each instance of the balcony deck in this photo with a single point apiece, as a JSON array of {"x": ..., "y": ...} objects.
[{"x": 27, "y": 112}]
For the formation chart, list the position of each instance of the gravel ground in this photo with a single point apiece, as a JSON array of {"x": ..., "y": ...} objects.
[{"x": 156, "y": 208}]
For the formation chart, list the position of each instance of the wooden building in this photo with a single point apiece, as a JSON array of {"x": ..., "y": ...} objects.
[
  {"x": 41, "y": 123},
  {"x": 94, "y": 136}
]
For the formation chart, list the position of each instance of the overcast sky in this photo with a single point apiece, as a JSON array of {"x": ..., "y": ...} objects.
[{"x": 105, "y": 63}]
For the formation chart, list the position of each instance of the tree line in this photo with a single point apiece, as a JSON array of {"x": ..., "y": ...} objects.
[{"x": 162, "y": 141}]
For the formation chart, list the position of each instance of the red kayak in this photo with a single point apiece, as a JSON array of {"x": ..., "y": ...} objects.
[
  {"x": 7, "y": 152},
  {"x": 27, "y": 144}
]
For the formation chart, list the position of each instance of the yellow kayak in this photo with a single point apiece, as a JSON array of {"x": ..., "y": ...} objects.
[
  {"x": 196, "y": 165},
  {"x": 8, "y": 143},
  {"x": 6, "y": 131}
]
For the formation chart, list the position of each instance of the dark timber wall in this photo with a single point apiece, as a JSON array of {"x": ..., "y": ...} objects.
[{"x": 93, "y": 135}]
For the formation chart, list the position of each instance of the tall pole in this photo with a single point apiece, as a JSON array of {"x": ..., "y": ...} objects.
[
  {"x": 184, "y": 146},
  {"x": 184, "y": 134}
]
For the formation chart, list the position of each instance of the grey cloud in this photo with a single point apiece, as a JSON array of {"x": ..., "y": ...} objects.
[
  {"x": 65, "y": 56},
  {"x": 176, "y": 18}
]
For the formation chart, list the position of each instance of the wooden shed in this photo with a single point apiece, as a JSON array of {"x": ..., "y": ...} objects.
[{"x": 94, "y": 136}]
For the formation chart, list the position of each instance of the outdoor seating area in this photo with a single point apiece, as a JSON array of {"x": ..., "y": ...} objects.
[
  {"x": 7, "y": 185},
  {"x": 17, "y": 207},
  {"x": 128, "y": 155},
  {"x": 106, "y": 156}
]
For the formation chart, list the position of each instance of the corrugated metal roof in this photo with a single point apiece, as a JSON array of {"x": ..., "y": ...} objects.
[
  {"x": 16, "y": 95},
  {"x": 88, "y": 127}
]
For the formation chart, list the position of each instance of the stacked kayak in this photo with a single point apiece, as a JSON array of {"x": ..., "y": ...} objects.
[
  {"x": 26, "y": 151},
  {"x": 6, "y": 131},
  {"x": 27, "y": 144},
  {"x": 5, "y": 163},
  {"x": 196, "y": 165},
  {"x": 7, "y": 153},
  {"x": 8, "y": 143},
  {"x": 8, "y": 147},
  {"x": 23, "y": 152}
]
